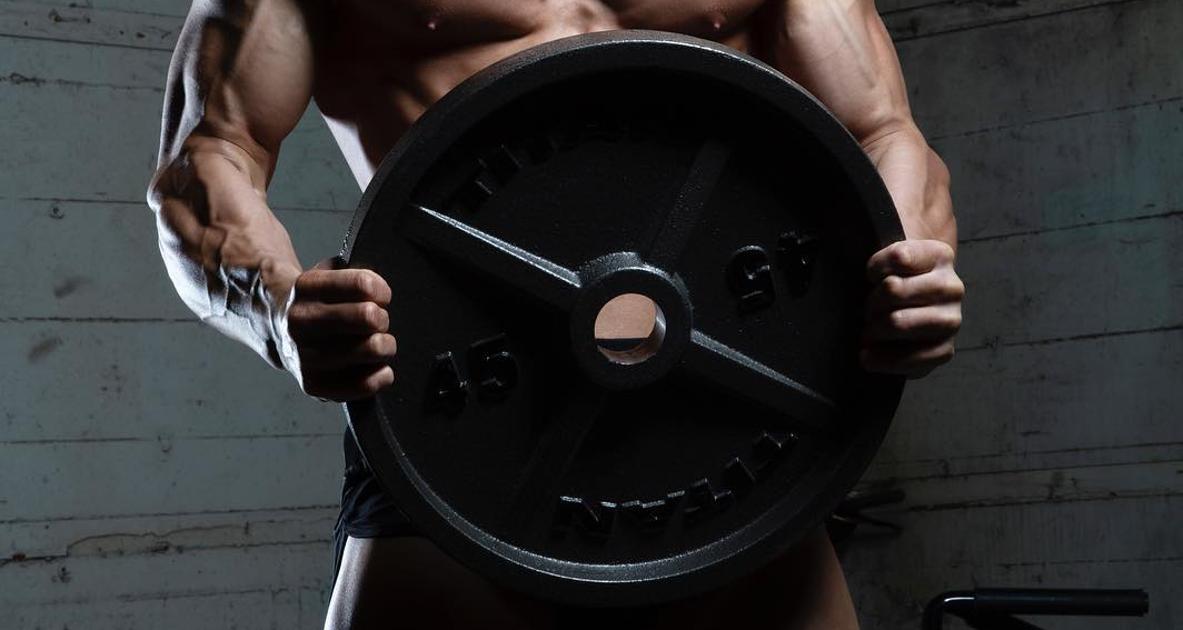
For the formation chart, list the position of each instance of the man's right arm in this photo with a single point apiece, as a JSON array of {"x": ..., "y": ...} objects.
[{"x": 240, "y": 80}]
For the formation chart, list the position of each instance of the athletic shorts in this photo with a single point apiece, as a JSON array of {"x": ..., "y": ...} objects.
[{"x": 367, "y": 511}]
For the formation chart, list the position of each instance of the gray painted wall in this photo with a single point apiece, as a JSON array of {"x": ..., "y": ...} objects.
[{"x": 153, "y": 474}]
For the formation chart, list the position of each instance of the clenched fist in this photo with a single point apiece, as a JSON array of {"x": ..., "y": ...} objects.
[
  {"x": 914, "y": 308},
  {"x": 339, "y": 324}
]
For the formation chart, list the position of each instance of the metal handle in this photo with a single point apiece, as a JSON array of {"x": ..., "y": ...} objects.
[{"x": 1000, "y": 602}]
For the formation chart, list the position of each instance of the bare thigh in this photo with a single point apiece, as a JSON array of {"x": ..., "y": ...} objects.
[
  {"x": 408, "y": 583},
  {"x": 397, "y": 583}
]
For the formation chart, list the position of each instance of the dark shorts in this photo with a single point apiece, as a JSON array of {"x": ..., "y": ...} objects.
[{"x": 367, "y": 511}]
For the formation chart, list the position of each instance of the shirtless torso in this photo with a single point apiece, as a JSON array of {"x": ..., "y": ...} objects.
[
  {"x": 417, "y": 51},
  {"x": 243, "y": 74}
]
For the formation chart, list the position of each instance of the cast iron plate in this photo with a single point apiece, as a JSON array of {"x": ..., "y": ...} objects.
[{"x": 628, "y": 161}]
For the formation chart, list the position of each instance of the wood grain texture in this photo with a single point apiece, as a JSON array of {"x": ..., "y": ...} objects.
[
  {"x": 167, "y": 475},
  {"x": 73, "y": 381},
  {"x": 1097, "y": 59},
  {"x": 914, "y": 19},
  {"x": 1079, "y": 171},
  {"x": 1118, "y": 543},
  {"x": 1048, "y": 453},
  {"x": 1076, "y": 396},
  {"x": 130, "y": 282},
  {"x": 154, "y": 474},
  {"x": 49, "y": 539}
]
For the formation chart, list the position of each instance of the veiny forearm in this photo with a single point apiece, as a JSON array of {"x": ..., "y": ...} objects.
[
  {"x": 918, "y": 181},
  {"x": 231, "y": 261}
]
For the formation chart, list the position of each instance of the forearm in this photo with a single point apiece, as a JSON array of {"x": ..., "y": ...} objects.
[
  {"x": 918, "y": 181},
  {"x": 230, "y": 260}
]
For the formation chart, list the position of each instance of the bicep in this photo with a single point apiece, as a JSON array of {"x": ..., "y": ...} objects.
[
  {"x": 840, "y": 51},
  {"x": 241, "y": 73}
]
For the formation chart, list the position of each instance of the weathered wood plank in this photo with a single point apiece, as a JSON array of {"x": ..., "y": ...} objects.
[
  {"x": 1119, "y": 543},
  {"x": 1086, "y": 394},
  {"x": 887, "y": 7},
  {"x": 114, "y": 253},
  {"x": 170, "y": 8},
  {"x": 72, "y": 480},
  {"x": 918, "y": 18},
  {"x": 103, "y": 147},
  {"x": 1103, "y": 278},
  {"x": 147, "y": 31},
  {"x": 34, "y": 62},
  {"x": 1087, "y": 481},
  {"x": 957, "y": 465},
  {"x": 276, "y": 608},
  {"x": 1109, "y": 166},
  {"x": 1111, "y": 56},
  {"x": 77, "y": 537},
  {"x": 144, "y": 382},
  {"x": 101, "y": 583}
]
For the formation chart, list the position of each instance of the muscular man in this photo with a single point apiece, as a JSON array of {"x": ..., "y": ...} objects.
[{"x": 244, "y": 72}]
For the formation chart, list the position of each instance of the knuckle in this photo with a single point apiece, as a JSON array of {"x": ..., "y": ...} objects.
[
  {"x": 368, "y": 312},
  {"x": 956, "y": 288},
  {"x": 893, "y": 287},
  {"x": 899, "y": 320},
  {"x": 375, "y": 345},
  {"x": 378, "y": 380},
  {"x": 901, "y": 255},
  {"x": 364, "y": 283},
  {"x": 385, "y": 345}
]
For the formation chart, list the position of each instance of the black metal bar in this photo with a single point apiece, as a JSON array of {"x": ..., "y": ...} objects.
[
  {"x": 986, "y": 603},
  {"x": 1041, "y": 601}
]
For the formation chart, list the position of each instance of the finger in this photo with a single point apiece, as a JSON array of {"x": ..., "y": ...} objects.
[
  {"x": 317, "y": 320},
  {"x": 922, "y": 323},
  {"x": 350, "y": 384},
  {"x": 341, "y": 352},
  {"x": 941, "y": 286},
  {"x": 342, "y": 285},
  {"x": 908, "y": 359},
  {"x": 908, "y": 258}
]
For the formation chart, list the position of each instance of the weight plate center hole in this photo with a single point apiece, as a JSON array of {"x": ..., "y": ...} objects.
[{"x": 629, "y": 329}]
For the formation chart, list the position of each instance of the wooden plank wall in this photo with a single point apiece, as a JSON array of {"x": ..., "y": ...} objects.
[
  {"x": 142, "y": 485},
  {"x": 152, "y": 473},
  {"x": 1050, "y": 452}
]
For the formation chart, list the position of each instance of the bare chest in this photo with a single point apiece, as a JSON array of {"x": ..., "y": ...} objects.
[
  {"x": 383, "y": 63},
  {"x": 435, "y": 25}
]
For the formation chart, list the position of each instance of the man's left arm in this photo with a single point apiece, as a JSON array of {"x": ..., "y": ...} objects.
[{"x": 841, "y": 52}]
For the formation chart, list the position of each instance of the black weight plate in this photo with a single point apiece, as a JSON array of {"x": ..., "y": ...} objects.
[{"x": 543, "y": 186}]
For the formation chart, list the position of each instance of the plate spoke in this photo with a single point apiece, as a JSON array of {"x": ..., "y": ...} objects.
[
  {"x": 556, "y": 450},
  {"x": 550, "y": 282},
  {"x": 745, "y": 377},
  {"x": 677, "y": 225}
]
